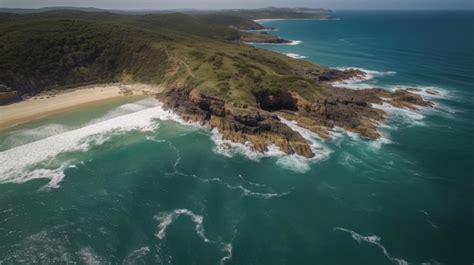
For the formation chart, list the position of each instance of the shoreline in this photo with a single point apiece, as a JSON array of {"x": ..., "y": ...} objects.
[
  {"x": 289, "y": 43},
  {"x": 263, "y": 20},
  {"x": 54, "y": 102}
]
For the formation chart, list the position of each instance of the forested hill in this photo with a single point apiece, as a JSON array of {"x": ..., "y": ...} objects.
[
  {"x": 262, "y": 13},
  {"x": 57, "y": 49}
]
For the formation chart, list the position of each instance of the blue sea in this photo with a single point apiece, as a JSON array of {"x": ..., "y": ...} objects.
[{"x": 126, "y": 182}]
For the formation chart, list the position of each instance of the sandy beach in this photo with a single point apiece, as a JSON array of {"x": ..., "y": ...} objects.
[{"x": 51, "y": 102}]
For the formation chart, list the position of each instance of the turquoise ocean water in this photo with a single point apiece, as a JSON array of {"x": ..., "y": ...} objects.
[{"x": 124, "y": 183}]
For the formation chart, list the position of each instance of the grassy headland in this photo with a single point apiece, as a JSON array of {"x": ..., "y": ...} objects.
[{"x": 211, "y": 77}]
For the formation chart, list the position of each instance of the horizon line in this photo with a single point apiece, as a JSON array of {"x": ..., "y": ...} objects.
[{"x": 205, "y": 9}]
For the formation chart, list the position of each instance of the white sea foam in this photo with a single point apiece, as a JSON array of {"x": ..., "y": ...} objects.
[
  {"x": 167, "y": 219},
  {"x": 424, "y": 91},
  {"x": 295, "y": 42},
  {"x": 89, "y": 257},
  {"x": 244, "y": 191},
  {"x": 44, "y": 247},
  {"x": 295, "y": 56},
  {"x": 298, "y": 163},
  {"x": 241, "y": 188},
  {"x": 401, "y": 115},
  {"x": 411, "y": 117},
  {"x": 294, "y": 163},
  {"x": 358, "y": 82},
  {"x": 250, "y": 182},
  {"x": 247, "y": 192},
  {"x": 291, "y": 43},
  {"x": 339, "y": 135},
  {"x": 228, "y": 152},
  {"x": 228, "y": 250},
  {"x": 20, "y": 137},
  {"x": 348, "y": 160},
  {"x": 267, "y": 19},
  {"x": 375, "y": 240},
  {"x": 229, "y": 148},
  {"x": 37, "y": 159},
  {"x": 136, "y": 256},
  {"x": 428, "y": 219},
  {"x": 23, "y": 136},
  {"x": 261, "y": 30}
]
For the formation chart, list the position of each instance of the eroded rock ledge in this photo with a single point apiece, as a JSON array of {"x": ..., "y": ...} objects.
[{"x": 261, "y": 124}]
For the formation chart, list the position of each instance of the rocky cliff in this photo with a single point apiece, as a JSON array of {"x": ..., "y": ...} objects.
[{"x": 261, "y": 124}]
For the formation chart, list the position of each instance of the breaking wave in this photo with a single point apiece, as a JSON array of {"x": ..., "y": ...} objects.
[
  {"x": 295, "y": 56},
  {"x": 229, "y": 148},
  {"x": 401, "y": 115},
  {"x": 375, "y": 240},
  {"x": 291, "y": 43},
  {"x": 261, "y": 30},
  {"x": 358, "y": 83},
  {"x": 38, "y": 159},
  {"x": 298, "y": 163},
  {"x": 295, "y": 163},
  {"x": 429, "y": 92}
]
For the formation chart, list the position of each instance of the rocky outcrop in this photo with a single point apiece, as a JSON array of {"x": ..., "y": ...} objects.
[
  {"x": 8, "y": 96},
  {"x": 261, "y": 124},
  {"x": 262, "y": 38},
  {"x": 334, "y": 75},
  {"x": 259, "y": 127}
]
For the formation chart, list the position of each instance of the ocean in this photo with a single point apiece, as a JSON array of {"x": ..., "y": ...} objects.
[{"x": 128, "y": 183}]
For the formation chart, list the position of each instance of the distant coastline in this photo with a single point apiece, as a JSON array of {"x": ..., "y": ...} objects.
[{"x": 278, "y": 19}]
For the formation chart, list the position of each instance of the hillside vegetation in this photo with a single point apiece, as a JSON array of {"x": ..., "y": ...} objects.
[{"x": 63, "y": 49}]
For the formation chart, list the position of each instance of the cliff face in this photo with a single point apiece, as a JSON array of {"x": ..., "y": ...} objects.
[
  {"x": 259, "y": 127},
  {"x": 261, "y": 124}
]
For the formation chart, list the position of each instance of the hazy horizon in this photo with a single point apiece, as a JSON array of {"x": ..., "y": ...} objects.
[{"x": 229, "y": 4}]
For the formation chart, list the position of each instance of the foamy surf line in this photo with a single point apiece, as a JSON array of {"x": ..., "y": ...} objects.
[
  {"x": 244, "y": 191},
  {"x": 375, "y": 240},
  {"x": 166, "y": 219},
  {"x": 295, "y": 56},
  {"x": 261, "y": 30},
  {"x": 358, "y": 82},
  {"x": 268, "y": 19},
  {"x": 36, "y": 159},
  {"x": 291, "y": 43},
  {"x": 293, "y": 162}
]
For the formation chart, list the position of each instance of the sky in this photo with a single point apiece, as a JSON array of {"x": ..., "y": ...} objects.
[{"x": 216, "y": 4}]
